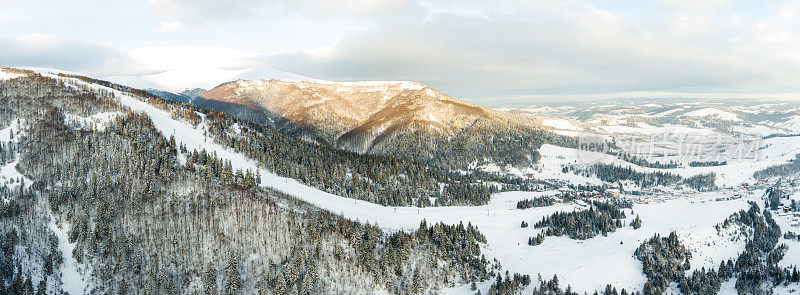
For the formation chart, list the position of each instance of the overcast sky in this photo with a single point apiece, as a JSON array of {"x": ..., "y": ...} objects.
[{"x": 476, "y": 50}]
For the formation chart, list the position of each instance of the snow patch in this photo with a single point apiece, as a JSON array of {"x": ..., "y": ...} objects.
[
  {"x": 96, "y": 121},
  {"x": 10, "y": 176},
  {"x": 561, "y": 124},
  {"x": 8, "y": 76},
  {"x": 73, "y": 281},
  {"x": 712, "y": 112}
]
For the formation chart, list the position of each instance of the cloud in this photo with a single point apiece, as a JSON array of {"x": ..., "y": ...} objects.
[
  {"x": 241, "y": 11},
  {"x": 69, "y": 54},
  {"x": 171, "y": 26},
  {"x": 205, "y": 10},
  {"x": 467, "y": 48},
  {"x": 560, "y": 47}
]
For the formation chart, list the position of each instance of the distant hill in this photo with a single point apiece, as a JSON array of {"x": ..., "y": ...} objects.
[{"x": 193, "y": 93}]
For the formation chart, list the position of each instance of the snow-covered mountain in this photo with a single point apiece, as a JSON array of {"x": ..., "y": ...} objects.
[
  {"x": 358, "y": 116},
  {"x": 178, "y": 80}
]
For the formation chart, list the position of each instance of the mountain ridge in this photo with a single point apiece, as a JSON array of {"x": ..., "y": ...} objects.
[{"x": 360, "y": 116}]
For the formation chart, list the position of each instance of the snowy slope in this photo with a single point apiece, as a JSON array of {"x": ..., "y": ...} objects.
[
  {"x": 560, "y": 124},
  {"x": 96, "y": 121},
  {"x": 712, "y": 112},
  {"x": 792, "y": 124},
  {"x": 9, "y": 175},
  {"x": 72, "y": 276}
]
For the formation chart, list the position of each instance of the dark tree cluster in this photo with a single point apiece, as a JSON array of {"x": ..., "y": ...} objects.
[
  {"x": 537, "y": 240},
  {"x": 508, "y": 144},
  {"x": 758, "y": 263},
  {"x": 552, "y": 287},
  {"x": 7, "y": 152},
  {"x": 643, "y": 162},
  {"x": 636, "y": 223},
  {"x": 779, "y": 170},
  {"x": 774, "y": 196},
  {"x": 600, "y": 218},
  {"x": 211, "y": 166},
  {"x": 790, "y": 235},
  {"x": 707, "y": 163},
  {"x": 536, "y": 202},
  {"x": 615, "y": 173},
  {"x": 702, "y": 182},
  {"x": 702, "y": 282},
  {"x": 664, "y": 259},
  {"x": 510, "y": 285}
]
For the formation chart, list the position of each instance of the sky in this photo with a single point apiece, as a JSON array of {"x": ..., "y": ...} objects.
[{"x": 480, "y": 51}]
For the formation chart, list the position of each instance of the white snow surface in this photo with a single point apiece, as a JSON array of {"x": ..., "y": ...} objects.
[
  {"x": 561, "y": 124},
  {"x": 5, "y": 133},
  {"x": 8, "y": 76},
  {"x": 10, "y": 176},
  {"x": 97, "y": 121},
  {"x": 667, "y": 112},
  {"x": 792, "y": 124},
  {"x": 712, "y": 112},
  {"x": 73, "y": 281}
]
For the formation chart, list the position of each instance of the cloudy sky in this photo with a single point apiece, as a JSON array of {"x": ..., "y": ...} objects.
[{"x": 483, "y": 51}]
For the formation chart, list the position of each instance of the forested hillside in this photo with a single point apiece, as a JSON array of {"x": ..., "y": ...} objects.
[
  {"x": 144, "y": 216},
  {"x": 396, "y": 180}
]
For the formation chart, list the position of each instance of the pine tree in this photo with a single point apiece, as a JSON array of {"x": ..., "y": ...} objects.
[
  {"x": 42, "y": 288},
  {"x": 210, "y": 280},
  {"x": 636, "y": 223},
  {"x": 232, "y": 283}
]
